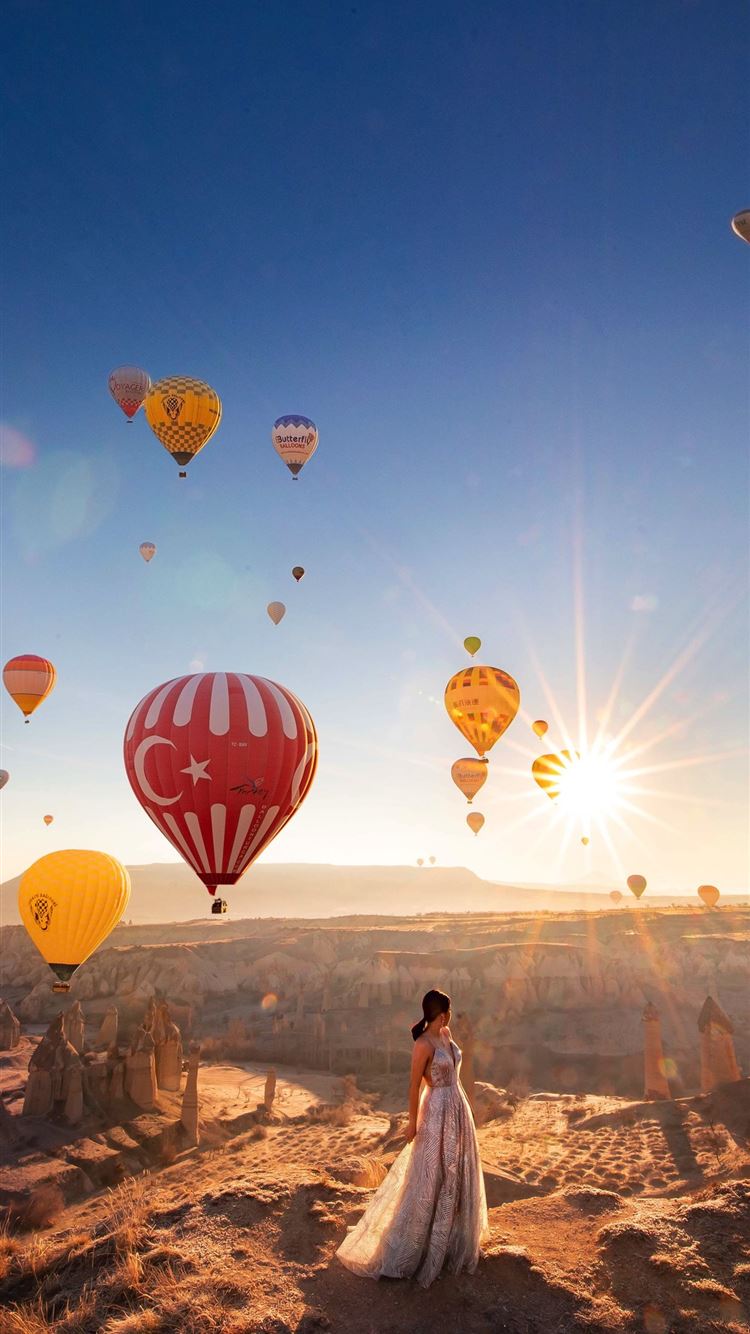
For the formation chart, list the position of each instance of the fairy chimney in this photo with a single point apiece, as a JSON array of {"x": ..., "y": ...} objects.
[
  {"x": 655, "y": 1083},
  {"x": 718, "y": 1060},
  {"x": 74, "y": 1025},
  {"x": 10, "y": 1028},
  {"x": 169, "y": 1056},
  {"x": 189, "y": 1116},
  {"x": 107, "y": 1036}
]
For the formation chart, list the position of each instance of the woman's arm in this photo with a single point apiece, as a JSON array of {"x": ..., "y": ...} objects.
[{"x": 422, "y": 1054}]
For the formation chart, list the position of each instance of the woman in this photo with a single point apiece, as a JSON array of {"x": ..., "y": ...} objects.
[{"x": 431, "y": 1209}]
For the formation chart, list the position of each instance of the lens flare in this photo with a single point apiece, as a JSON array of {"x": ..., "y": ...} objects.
[{"x": 589, "y": 788}]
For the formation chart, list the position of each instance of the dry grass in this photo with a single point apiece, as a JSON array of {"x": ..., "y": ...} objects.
[{"x": 40, "y": 1209}]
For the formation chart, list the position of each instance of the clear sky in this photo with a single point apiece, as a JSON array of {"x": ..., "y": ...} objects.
[{"x": 486, "y": 247}]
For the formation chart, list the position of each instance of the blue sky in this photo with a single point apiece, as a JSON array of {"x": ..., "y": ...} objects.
[{"x": 487, "y": 249}]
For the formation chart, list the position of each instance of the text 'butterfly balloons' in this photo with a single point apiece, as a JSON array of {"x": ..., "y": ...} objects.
[
  {"x": 220, "y": 761},
  {"x": 295, "y": 440},
  {"x": 469, "y": 775},
  {"x": 482, "y": 702},
  {"x": 29, "y": 680},
  {"x": 69, "y": 902}
]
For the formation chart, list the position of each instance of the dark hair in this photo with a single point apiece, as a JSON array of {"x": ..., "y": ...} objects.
[{"x": 433, "y": 1004}]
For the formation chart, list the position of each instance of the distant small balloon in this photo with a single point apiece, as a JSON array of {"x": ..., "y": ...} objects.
[
  {"x": 540, "y": 727},
  {"x": 585, "y": 841},
  {"x": 636, "y": 884},
  {"x": 616, "y": 896},
  {"x": 709, "y": 894},
  {"x": 548, "y": 771},
  {"x": 4, "y": 776},
  {"x": 433, "y": 860},
  {"x": 472, "y": 644},
  {"x": 147, "y": 550},
  {"x": 298, "y": 572},
  {"x": 475, "y": 821},
  {"x": 48, "y": 819},
  {"x": 420, "y": 861},
  {"x": 28, "y": 680},
  {"x": 128, "y": 386},
  {"x": 741, "y": 225},
  {"x": 277, "y": 611},
  {"x": 469, "y": 775},
  {"x": 295, "y": 440}
]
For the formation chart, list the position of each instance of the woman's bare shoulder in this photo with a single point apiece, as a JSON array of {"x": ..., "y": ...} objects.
[{"x": 422, "y": 1046}]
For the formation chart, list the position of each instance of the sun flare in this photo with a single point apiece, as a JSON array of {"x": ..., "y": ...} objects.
[{"x": 589, "y": 788}]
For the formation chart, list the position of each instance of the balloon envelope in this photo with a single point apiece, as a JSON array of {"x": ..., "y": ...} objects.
[
  {"x": 147, "y": 550},
  {"x": 585, "y": 841},
  {"x": 469, "y": 775},
  {"x": 741, "y": 224},
  {"x": 482, "y": 702},
  {"x": 183, "y": 414},
  {"x": 616, "y": 896},
  {"x": 420, "y": 861},
  {"x": 220, "y": 761},
  {"x": 636, "y": 884},
  {"x": 295, "y": 440},
  {"x": 69, "y": 902},
  {"x": 472, "y": 644},
  {"x": 48, "y": 819},
  {"x": 298, "y": 572},
  {"x": 540, "y": 727},
  {"x": 475, "y": 821},
  {"x": 29, "y": 680},
  {"x": 128, "y": 386},
  {"x": 277, "y": 611},
  {"x": 4, "y": 776},
  {"x": 709, "y": 894},
  {"x": 433, "y": 860},
  {"x": 548, "y": 770}
]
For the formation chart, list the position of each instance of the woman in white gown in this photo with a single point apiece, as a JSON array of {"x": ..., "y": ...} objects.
[{"x": 431, "y": 1210}]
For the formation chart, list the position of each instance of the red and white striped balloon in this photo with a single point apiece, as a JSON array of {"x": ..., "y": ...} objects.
[{"x": 220, "y": 761}]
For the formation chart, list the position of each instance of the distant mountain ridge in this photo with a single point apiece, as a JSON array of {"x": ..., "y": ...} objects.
[{"x": 169, "y": 891}]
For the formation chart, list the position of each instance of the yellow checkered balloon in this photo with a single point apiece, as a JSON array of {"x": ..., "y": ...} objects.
[
  {"x": 183, "y": 414},
  {"x": 69, "y": 902}
]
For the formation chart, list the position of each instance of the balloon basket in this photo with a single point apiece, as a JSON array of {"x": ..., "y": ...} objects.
[
  {"x": 183, "y": 474},
  {"x": 62, "y": 987}
]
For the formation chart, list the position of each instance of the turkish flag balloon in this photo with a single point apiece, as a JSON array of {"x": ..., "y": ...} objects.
[{"x": 220, "y": 761}]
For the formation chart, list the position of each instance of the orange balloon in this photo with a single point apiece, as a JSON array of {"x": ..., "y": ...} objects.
[
  {"x": 540, "y": 727},
  {"x": 636, "y": 884},
  {"x": 709, "y": 894},
  {"x": 475, "y": 821},
  {"x": 48, "y": 819},
  {"x": 616, "y": 896},
  {"x": 29, "y": 680},
  {"x": 482, "y": 702},
  {"x": 548, "y": 770},
  {"x": 469, "y": 775}
]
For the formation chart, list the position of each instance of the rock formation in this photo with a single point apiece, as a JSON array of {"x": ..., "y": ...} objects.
[
  {"x": 718, "y": 1061},
  {"x": 140, "y": 1073},
  {"x": 168, "y": 1053},
  {"x": 74, "y": 1024},
  {"x": 10, "y": 1028},
  {"x": 464, "y": 1033},
  {"x": 269, "y": 1091},
  {"x": 189, "y": 1115},
  {"x": 656, "y": 1085},
  {"x": 54, "y": 1086},
  {"x": 107, "y": 1036}
]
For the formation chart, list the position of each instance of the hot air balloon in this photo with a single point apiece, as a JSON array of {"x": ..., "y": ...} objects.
[
  {"x": 482, "y": 702},
  {"x": 585, "y": 841},
  {"x": 298, "y": 572},
  {"x": 220, "y": 761},
  {"x": 4, "y": 776},
  {"x": 29, "y": 680},
  {"x": 709, "y": 894},
  {"x": 147, "y": 550},
  {"x": 472, "y": 644},
  {"x": 636, "y": 885},
  {"x": 183, "y": 414},
  {"x": 616, "y": 896},
  {"x": 547, "y": 771},
  {"x": 420, "y": 861},
  {"x": 741, "y": 224},
  {"x": 475, "y": 821},
  {"x": 49, "y": 819},
  {"x": 470, "y": 775},
  {"x": 295, "y": 440},
  {"x": 277, "y": 611},
  {"x": 433, "y": 860},
  {"x": 128, "y": 386},
  {"x": 69, "y": 902},
  {"x": 540, "y": 727}
]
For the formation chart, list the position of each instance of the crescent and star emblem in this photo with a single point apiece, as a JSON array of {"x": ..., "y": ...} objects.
[{"x": 196, "y": 769}]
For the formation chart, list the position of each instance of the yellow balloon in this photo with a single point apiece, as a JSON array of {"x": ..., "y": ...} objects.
[
  {"x": 183, "y": 414},
  {"x": 540, "y": 727},
  {"x": 482, "y": 701},
  {"x": 475, "y": 821},
  {"x": 709, "y": 894},
  {"x": 470, "y": 775},
  {"x": 585, "y": 841},
  {"x": 472, "y": 644},
  {"x": 548, "y": 770},
  {"x": 69, "y": 902}
]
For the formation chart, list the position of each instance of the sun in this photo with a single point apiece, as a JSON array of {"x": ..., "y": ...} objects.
[{"x": 589, "y": 788}]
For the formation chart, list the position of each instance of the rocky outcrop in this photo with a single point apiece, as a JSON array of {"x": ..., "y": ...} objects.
[
  {"x": 10, "y": 1028},
  {"x": 189, "y": 1115},
  {"x": 718, "y": 1060},
  {"x": 656, "y": 1085}
]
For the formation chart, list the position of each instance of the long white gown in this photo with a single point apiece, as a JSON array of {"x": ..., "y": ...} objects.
[{"x": 431, "y": 1210}]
